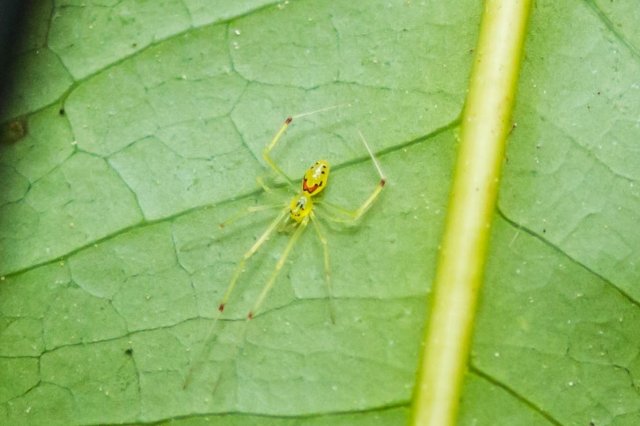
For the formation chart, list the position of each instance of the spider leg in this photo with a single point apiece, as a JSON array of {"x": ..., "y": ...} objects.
[
  {"x": 248, "y": 211},
  {"x": 266, "y": 154},
  {"x": 254, "y": 248},
  {"x": 354, "y": 215},
  {"x": 203, "y": 352},
  {"x": 283, "y": 258},
  {"x": 327, "y": 267}
]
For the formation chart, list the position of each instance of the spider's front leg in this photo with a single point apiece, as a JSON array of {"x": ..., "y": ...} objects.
[{"x": 354, "y": 215}]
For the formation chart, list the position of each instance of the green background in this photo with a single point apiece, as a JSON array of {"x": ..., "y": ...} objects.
[{"x": 144, "y": 125}]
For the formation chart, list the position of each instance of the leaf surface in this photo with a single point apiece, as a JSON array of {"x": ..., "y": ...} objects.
[{"x": 145, "y": 123}]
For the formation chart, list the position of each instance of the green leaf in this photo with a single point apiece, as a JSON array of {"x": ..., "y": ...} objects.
[{"x": 145, "y": 123}]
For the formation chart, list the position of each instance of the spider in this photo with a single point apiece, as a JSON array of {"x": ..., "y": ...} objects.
[{"x": 298, "y": 212}]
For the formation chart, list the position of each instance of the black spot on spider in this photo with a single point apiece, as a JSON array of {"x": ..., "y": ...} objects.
[{"x": 128, "y": 351}]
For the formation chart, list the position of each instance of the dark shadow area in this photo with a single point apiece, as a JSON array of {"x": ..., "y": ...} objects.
[{"x": 13, "y": 15}]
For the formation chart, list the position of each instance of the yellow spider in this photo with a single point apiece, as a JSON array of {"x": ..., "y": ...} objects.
[{"x": 299, "y": 212}]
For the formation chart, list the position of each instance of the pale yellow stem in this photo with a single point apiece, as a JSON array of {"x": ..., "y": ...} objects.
[{"x": 486, "y": 123}]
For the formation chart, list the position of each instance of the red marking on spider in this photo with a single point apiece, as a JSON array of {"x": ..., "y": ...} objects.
[{"x": 309, "y": 189}]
